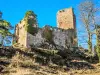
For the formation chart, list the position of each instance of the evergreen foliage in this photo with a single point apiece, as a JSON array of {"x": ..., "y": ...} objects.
[{"x": 5, "y": 26}]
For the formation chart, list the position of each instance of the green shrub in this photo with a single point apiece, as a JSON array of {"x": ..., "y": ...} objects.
[{"x": 47, "y": 34}]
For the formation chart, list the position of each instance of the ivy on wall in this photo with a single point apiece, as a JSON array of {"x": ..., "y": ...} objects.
[
  {"x": 32, "y": 30},
  {"x": 47, "y": 34},
  {"x": 31, "y": 22}
]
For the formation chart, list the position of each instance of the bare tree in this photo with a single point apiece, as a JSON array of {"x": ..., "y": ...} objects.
[{"x": 87, "y": 14}]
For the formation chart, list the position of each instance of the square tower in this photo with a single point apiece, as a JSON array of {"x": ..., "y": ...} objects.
[{"x": 66, "y": 19}]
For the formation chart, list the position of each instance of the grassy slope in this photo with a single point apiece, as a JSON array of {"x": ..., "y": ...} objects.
[{"x": 23, "y": 62}]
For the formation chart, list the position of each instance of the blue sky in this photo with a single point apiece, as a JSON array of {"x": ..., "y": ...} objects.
[{"x": 14, "y": 10}]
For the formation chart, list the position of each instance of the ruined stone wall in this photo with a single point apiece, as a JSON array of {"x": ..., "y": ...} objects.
[
  {"x": 36, "y": 40},
  {"x": 62, "y": 39},
  {"x": 66, "y": 19},
  {"x": 21, "y": 34}
]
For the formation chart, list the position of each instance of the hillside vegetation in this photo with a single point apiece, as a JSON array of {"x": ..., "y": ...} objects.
[{"x": 15, "y": 61}]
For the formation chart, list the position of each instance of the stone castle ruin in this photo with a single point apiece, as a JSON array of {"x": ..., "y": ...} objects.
[{"x": 61, "y": 37}]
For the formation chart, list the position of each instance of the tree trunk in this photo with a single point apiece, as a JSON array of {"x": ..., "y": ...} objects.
[
  {"x": 90, "y": 42},
  {"x": 98, "y": 44},
  {"x": 98, "y": 51}
]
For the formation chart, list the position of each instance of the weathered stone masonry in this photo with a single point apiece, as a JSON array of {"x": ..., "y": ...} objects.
[
  {"x": 66, "y": 19},
  {"x": 21, "y": 33},
  {"x": 63, "y": 36}
]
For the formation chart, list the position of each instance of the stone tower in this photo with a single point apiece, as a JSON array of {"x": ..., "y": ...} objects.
[
  {"x": 25, "y": 27},
  {"x": 66, "y": 19},
  {"x": 21, "y": 33}
]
